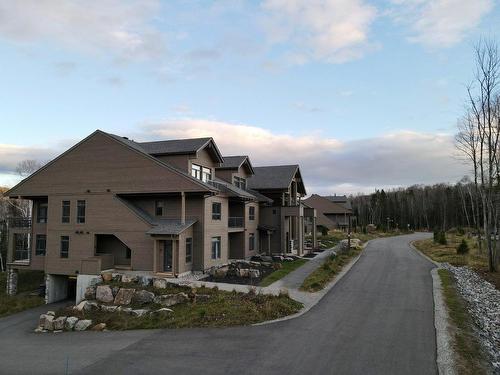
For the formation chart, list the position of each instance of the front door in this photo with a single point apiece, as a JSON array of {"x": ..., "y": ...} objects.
[{"x": 167, "y": 256}]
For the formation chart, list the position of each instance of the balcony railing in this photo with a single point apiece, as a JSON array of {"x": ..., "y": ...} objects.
[
  {"x": 19, "y": 222},
  {"x": 235, "y": 222}
]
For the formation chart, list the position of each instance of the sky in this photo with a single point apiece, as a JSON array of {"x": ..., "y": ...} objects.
[{"x": 361, "y": 94}]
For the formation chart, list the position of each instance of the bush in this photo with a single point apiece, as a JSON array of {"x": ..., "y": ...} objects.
[
  {"x": 436, "y": 236},
  {"x": 442, "y": 238},
  {"x": 323, "y": 230},
  {"x": 463, "y": 248}
]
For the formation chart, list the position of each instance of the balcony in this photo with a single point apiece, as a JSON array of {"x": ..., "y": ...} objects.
[
  {"x": 236, "y": 222},
  {"x": 19, "y": 222}
]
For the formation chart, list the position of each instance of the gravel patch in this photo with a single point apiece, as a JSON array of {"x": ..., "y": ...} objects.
[{"x": 483, "y": 303}]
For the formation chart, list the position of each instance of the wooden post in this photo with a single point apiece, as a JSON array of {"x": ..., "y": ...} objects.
[
  {"x": 183, "y": 208},
  {"x": 155, "y": 255}
]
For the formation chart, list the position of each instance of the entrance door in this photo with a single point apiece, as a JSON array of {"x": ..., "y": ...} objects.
[{"x": 167, "y": 256}]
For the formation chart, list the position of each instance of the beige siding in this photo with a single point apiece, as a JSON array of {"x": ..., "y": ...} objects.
[{"x": 215, "y": 228}]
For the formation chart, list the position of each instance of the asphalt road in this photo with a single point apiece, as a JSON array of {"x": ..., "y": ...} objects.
[{"x": 378, "y": 319}]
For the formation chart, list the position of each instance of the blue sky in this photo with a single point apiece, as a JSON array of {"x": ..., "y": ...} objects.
[{"x": 360, "y": 93}]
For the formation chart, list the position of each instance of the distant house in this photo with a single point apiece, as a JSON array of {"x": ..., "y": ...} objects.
[{"x": 332, "y": 212}]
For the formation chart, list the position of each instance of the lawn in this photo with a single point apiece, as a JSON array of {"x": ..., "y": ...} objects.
[
  {"x": 327, "y": 271},
  {"x": 279, "y": 274},
  {"x": 470, "y": 359},
  {"x": 335, "y": 236},
  {"x": 448, "y": 253},
  {"x": 220, "y": 309},
  {"x": 28, "y": 281}
]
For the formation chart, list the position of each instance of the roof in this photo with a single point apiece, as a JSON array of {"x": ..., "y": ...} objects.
[
  {"x": 171, "y": 226},
  {"x": 342, "y": 199},
  {"x": 232, "y": 190},
  {"x": 235, "y": 162},
  {"x": 275, "y": 177},
  {"x": 181, "y": 146},
  {"x": 260, "y": 197},
  {"x": 324, "y": 207}
]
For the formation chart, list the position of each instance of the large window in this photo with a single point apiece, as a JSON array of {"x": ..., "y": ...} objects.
[
  {"x": 196, "y": 171},
  {"x": 159, "y": 208},
  {"x": 251, "y": 242},
  {"x": 216, "y": 211},
  {"x": 216, "y": 247},
  {"x": 21, "y": 246},
  {"x": 64, "y": 246},
  {"x": 80, "y": 212},
  {"x": 240, "y": 182},
  {"x": 41, "y": 244},
  {"x": 189, "y": 250},
  {"x": 206, "y": 174},
  {"x": 41, "y": 213},
  {"x": 251, "y": 213},
  {"x": 65, "y": 211}
]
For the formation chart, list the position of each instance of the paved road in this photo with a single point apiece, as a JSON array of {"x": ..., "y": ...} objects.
[{"x": 378, "y": 319}]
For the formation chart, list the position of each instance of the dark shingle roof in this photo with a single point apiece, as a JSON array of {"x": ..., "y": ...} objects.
[
  {"x": 174, "y": 146},
  {"x": 232, "y": 162},
  {"x": 171, "y": 226},
  {"x": 340, "y": 199},
  {"x": 273, "y": 177}
]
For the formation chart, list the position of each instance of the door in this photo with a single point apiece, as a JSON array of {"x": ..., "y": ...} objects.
[{"x": 167, "y": 256}]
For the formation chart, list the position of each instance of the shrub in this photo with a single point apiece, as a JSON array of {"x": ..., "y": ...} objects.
[
  {"x": 463, "y": 248},
  {"x": 442, "y": 238},
  {"x": 436, "y": 236},
  {"x": 323, "y": 230}
]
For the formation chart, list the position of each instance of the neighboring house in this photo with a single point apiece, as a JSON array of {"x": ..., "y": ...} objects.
[
  {"x": 109, "y": 203},
  {"x": 332, "y": 212}
]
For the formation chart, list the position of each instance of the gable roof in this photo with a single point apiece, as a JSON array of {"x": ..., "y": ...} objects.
[
  {"x": 180, "y": 147},
  {"x": 341, "y": 199},
  {"x": 235, "y": 162},
  {"x": 275, "y": 177},
  {"x": 324, "y": 205}
]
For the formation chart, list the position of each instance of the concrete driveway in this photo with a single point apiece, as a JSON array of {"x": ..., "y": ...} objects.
[{"x": 378, "y": 319}]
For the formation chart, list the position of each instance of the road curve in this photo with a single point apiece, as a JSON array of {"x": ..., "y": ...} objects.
[{"x": 378, "y": 319}]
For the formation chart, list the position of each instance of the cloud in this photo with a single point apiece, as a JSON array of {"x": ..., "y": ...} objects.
[
  {"x": 332, "y": 31},
  {"x": 440, "y": 23},
  {"x": 120, "y": 28},
  {"x": 301, "y": 106},
  {"x": 65, "y": 68}
]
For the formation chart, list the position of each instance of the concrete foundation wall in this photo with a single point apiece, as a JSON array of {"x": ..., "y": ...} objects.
[
  {"x": 56, "y": 288},
  {"x": 82, "y": 283}
]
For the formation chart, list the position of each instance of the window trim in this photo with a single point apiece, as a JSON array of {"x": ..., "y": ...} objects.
[
  {"x": 38, "y": 250},
  {"x": 251, "y": 241},
  {"x": 204, "y": 173},
  {"x": 64, "y": 240},
  {"x": 65, "y": 219},
  {"x": 216, "y": 252},
  {"x": 26, "y": 246},
  {"x": 251, "y": 213},
  {"x": 162, "y": 206},
  {"x": 196, "y": 171},
  {"x": 80, "y": 219},
  {"x": 217, "y": 215},
  {"x": 42, "y": 219},
  {"x": 189, "y": 245}
]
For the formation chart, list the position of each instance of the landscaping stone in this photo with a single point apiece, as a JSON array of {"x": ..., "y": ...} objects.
[
  {"x": 277, "y": 258},
  {"x": 39, "y": 329},
  {"x": 59, "y": 323},
  {"x": 80, "y": 306},
  {"x": 202, "y": 297},
  {"x": 83, "y": 324},
  {"x": 171, "y": 299},
  {"x": 160, "y": 283},
  {"x": 91, "y": 305},
  {"x": 253, "y": 273},
  {"x": 48, "y": 323},
  {"x": 145, "y": 280},
  {"x": 42, "y": 319},
  {"x": 128, "y": 279},
  {"x": 267, "y": 258},
  {"x": 99, "y": 327},
  {"x": 139, "y": 312},
  {"x": 51, "y": 313},
  {"x": 116, "y": 277},
  {"x": 221, "y": 272},
  {"x": 162, "y": 311},
  {"x": 108, "y": 308},
  {"x": 115, "y": 290},
  {"x": 90, "y": 292},
  {"x": 104, "y": 294},
  {"x": 70, "y": 323},
  {"x": 124, "y": 296},
  {"x": 142, "y": 297},
  {"x": 107, "y": 277},
  {"x": 126, "y": 310},
  {"x": 288, "y": 259},
  {"x": 243, "y": 272}
]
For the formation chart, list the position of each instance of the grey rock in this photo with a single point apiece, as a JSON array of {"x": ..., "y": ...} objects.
[
  {"x": 91, "y": 306},
  {"x": 42, "y": 319},
  {"x": 162, "y": 311},
  {"x": 124, "y": 296},
  {"x": 139, "y": 312},
  {"x": 99, "y": 327},
  {"x": 49, "y": 323},
  {"x": 145, "y": 280},
  {"x": 129, "y": 279},
  {"x": 70, "y": 323},
  {"x": 83, "y": 324},
  {"x": 143, "y": 297},
  {"x": 159, "y": 283},
  {"x": 80, "y": 306},
  {"x": 115, "y": 290},
  {"x": 171, "y": 299},
  {"x": 104, "y": 294},
  {"x": 107, "y": 277},
  {"x": 90, "y": 292},
  {"x": 126, "y": 310},
  {"x": 243, "y": 272},
  {"x": 108, "y": 308},
  {"x": 51, "y": 313},
  {"x": 39, "y": 329},
  {"x": 59, "y": 323},
  {"x": 254, "y": 273}
]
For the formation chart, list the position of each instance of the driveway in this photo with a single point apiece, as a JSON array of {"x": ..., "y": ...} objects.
[{"x": 378, "y": 319}]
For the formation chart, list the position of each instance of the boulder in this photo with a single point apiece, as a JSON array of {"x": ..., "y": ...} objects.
[
  {"x": 51, "y": 313},
  {"x": 277, "y": 258},
  {"x": 124, "y": 296},
  {"x": 221, "y": 272},
  {"x": 117, "y": 277},
  {"x": 83, "y": 324},
  {"x": 42, "y": 319},
  {"x": 254, "y": 273},
  {"x": 267, "y": 258},
  {"x": 126, "y": 310},
  {"x": 39, "y": 329},
  {"x": 104, "y": 294},
  {"x": 99, "y": 327},
  {"x": 70, "y": 323},
  {"x": 80, "y": 306},
  {"x": 108, "y": 308},
  {"x": 107, "y": 277},
  {"x": 171, "y": 299},
  {"x": 243, "y": 272},
  {"x": 288, "y": 259},
  {"x": 59, "y": 323},
  {"x": 145, "y": 280},
  {"x": 91, "y": 305},
  {"x": 139, "y": 312},
  {"x": 162, "y": 311},
  {"x": 115, "y": 290},
  {"x": 90, "y": 292},
  {"x": 159, "y": 283},
  {"x": 129, "y": 279},
  {"x": 48, "y": 324},
  {"x": 254, "y": 264},
  {"x": 143, "y": 297},
  {"x": 266, "y": 264}
]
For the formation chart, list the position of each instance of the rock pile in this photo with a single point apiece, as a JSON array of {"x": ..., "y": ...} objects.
[
  {"x": 483, "y": 303},
  {"x": 49, "y": 323}
]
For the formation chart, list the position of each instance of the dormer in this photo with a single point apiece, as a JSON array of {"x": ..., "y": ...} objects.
[{"x": 236, "y": 170}]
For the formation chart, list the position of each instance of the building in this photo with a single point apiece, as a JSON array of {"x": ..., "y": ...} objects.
[
  {"x": 164, "y": 208},
  {"x": 332, "y": 212}
]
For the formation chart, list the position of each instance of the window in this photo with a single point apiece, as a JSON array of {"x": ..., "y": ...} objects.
[
  {"x": 189, "y": 250},
  {"x": 251, "y": 213},
  {"x": 41, "y": 213},
  {"x": 251, "y": 242},
  {"x": 206, "y": 174},
  {"x": 240, "y": 182},
  {"x": 216, "y": 211},
  {"x": 274, "y": 211},
  {"x": 128, "y": 253},
  {"x": 80, "y": 212},
  {"x": 21, "y": 246},
  {"x": 215, "y": 247},
  {"x": 41, "y": 244},
  {"x": 64, "y": 246},
  {"x": 196, "y": 171},
  {"x": 66, "y": 211},
  {"x": 159, "y": 206}
]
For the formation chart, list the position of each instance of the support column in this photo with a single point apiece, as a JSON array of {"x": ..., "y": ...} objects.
[
  {"x": 12, "y": 277},
  {"x": 155, "y": 255},
  {"x": 314, "y": 232},
  {"x": 183, "y": 208},
  {"x": 269, "y": 242}
]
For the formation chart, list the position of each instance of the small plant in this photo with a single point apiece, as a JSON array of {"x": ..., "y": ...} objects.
[
  {"x": 442, "y": 238},
  {"x": 436, "y": 236},
  {"x": 463, "y": 248}
]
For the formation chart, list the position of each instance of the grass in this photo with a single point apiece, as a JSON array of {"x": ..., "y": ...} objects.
[
  {"x": 28, "y": 281},
  {"x": 470, "y": 359},
  {"x": 222, "y": 309},
  {"x": 448, "y": 253},
  {"x": 282, "y": 272},
  {"x": 335, "y": 236},
  {"x": 318, "y": 279}
]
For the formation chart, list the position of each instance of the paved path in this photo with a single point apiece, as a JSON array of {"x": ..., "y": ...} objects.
[{"x": 378, "y": 319}]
